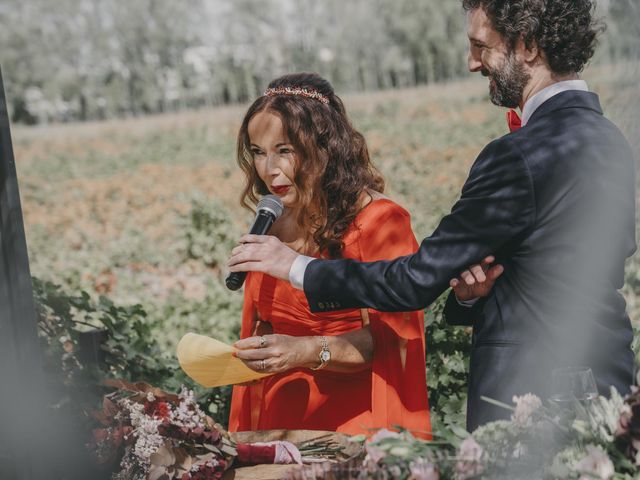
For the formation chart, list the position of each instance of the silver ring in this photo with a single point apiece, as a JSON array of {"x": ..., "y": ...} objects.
[
  {"x": 262, "y": 365},
  {"x": 263, "y": 341}
]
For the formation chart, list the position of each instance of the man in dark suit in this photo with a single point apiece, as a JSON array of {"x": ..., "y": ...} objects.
[{"x": 554, "y": 201}]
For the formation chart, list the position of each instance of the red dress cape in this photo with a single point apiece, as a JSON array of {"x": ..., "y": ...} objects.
[{"x": 392, "y": 393}]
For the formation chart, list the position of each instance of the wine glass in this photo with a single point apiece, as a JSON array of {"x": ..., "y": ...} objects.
[{"x": 572, "y": 384}]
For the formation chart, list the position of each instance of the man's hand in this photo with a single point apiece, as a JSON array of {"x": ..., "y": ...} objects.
[
  {"x": 477, "y": 281},
  {"x": 262, "y": 253}
]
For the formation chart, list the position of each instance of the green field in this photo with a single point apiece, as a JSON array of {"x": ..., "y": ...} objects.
[{"x": 145, "y": 210}]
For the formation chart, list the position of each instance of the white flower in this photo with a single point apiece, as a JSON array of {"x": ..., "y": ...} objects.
[
  {"x": 520, "y": 450},
  {"x": 596, "y": 464},
  {"x": 151, "y": 397},
  {"x": 188, "y": 414},
  {"x": 604, "y": 418},
  {"x": 526, "y": 405},
  {"x": 469, "y": 459},
  {"x": 422, "y": 469},
  {"x": 145, "y": 429}
]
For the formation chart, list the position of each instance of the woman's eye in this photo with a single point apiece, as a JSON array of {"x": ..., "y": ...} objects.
[
  {"x": 285, "y": 151},
  {"x": 256, "y": 153}
]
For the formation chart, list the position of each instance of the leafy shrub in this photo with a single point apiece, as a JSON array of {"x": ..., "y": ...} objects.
[
  {"x": 217, "y": 314},
  {"x": 448, "y": 352},
  {"x": 209, "y": 233},
  {"x": 124, "y": 347}
]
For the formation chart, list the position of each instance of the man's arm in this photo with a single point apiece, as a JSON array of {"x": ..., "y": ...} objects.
[{"x": 496, "y": 205}]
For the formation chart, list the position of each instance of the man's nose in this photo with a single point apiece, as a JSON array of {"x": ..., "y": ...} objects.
[{"x": 473, "y": 62}]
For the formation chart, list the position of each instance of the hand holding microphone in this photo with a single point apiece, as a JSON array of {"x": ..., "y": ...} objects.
[{"x": 269, "y": 210}]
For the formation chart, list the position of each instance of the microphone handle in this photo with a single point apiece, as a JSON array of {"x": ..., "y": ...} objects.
[{"x": 261, "y": 225}]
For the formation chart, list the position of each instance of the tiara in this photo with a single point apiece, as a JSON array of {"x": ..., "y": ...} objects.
[{"x": 305, "y": 92}]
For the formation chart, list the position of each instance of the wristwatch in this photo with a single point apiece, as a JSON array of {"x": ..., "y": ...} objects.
[{"x": 325, "y": 354}]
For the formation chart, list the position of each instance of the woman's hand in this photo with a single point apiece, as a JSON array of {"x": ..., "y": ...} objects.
[
  {"x": 477, "y": 281},
  {"x": 277, "y": 353}
]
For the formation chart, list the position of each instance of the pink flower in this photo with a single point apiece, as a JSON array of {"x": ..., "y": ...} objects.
[
  {"x": 469, "y": 459},
  {"x": 526, "y": 405},
  {"x": 382, "y": 434},
  {"x": 625, "y": 420},
  {"x": 375, "y": 454},
  {"x": 422, "y": 469},
  {"x": 596, "y": 464}
]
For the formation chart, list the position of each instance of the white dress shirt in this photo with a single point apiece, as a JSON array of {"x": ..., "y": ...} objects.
[
  {"x": 299, "y": 266},
  {"x": 546, "y": 93}
]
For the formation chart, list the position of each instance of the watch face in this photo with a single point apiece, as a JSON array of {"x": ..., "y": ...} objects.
[{"x": 325, "y": 355}]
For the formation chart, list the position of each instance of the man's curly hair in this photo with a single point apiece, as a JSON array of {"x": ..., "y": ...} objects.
[{"x": 565, "y": 30}]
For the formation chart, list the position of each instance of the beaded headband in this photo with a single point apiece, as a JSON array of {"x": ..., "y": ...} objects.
[{"x": 305, "y": 92}]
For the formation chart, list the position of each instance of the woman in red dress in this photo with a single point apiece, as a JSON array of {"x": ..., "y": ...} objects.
[{"x": 351, "y": 371}]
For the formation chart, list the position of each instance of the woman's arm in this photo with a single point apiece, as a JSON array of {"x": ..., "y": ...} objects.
[{"x": 350, "y": 352}]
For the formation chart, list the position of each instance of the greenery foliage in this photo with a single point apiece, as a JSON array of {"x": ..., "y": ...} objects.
[
  {"x": 87, "y": 341},
  {"x": 448, "y": 350},
  {"x": 209, "y": 232}
]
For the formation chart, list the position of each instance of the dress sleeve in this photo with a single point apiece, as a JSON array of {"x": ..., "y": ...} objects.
[
  {"x": 399, "y": 387},
  {"x": 245, "y": 401}
]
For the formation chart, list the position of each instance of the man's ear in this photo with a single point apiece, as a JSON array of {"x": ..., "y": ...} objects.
[{"x": 529, "y": 53}]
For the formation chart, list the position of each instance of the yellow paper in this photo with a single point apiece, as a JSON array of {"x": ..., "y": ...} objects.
[{"x": 210, "y": 362}]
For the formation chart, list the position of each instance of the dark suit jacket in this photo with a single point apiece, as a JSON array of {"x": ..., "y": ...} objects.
[{"x": 555, "y": 202}]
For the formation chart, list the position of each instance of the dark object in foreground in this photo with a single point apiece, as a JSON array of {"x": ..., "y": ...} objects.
[{"x": 28, "y": 423}]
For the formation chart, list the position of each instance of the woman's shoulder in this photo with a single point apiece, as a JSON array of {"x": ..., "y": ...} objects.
[
  {"x": 382, "y": 230},
  {"x": 381, "y": 218},
  {"x": 380, "y": 208}
]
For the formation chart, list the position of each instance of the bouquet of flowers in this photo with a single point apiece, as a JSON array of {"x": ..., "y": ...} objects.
[
  {"x": 606, "y": 441},
  {"x": 156, "y": 435},
  {"x": 597, "y": 441}
]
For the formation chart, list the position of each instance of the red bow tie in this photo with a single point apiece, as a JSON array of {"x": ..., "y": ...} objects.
[{"x": 513, "y": 120}]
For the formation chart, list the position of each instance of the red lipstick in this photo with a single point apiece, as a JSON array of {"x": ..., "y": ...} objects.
[{"x": 281, "y": 190}]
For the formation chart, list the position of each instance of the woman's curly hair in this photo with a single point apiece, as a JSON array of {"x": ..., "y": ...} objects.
[
  {"x": 332, "y": 165},
  {"x": 565, "y": 30}
]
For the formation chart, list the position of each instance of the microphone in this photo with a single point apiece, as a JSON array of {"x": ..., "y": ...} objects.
[{"x": 269, "y": 209}]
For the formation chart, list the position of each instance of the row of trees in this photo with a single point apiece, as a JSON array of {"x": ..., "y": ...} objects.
[{"x": 92, "y": 59}]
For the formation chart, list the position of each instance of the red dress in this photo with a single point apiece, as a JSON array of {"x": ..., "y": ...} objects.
[{"x": 393, "y": 392}]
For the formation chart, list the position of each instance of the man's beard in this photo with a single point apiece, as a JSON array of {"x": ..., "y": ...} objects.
[{"x": 508, "y": 84}]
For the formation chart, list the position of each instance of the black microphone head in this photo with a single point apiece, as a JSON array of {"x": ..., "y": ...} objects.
[
  {"x": 272, "y": 204},
  {"x": 235, "y": 280}
]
